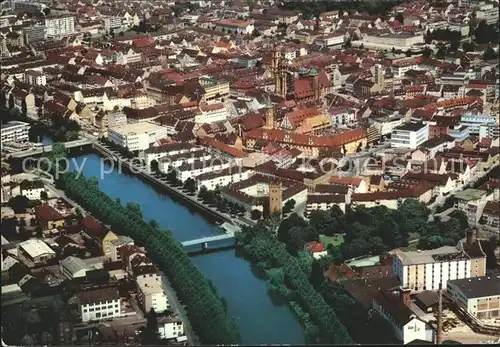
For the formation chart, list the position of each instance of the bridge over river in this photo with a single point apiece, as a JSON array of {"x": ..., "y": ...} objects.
[{"x": 213, "y": 243}]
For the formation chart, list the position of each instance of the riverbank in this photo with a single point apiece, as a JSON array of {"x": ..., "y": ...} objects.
[
  {"x": 262, "y": 317},
  {"x": 143, "y": 172}
]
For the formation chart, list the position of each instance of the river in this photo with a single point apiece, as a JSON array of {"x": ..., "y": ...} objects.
[{"x": 262, "y": 318}]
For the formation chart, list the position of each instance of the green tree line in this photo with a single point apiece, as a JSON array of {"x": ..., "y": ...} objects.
[
  {"x": 269, "y": 253},
  {"x": 206, "y": 309}
]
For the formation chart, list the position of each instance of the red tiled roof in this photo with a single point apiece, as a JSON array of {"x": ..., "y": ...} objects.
[{"x": 47, "y": 213}]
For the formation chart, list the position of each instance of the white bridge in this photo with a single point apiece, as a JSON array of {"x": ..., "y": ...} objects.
[
  {"x": 48, "y": 148},
  {"x": 207, "y": 241}
]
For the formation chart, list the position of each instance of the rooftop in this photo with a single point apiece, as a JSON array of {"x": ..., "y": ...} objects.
[
  {"x": 478, "y": 287},
  {"x": 444, "y": 253},
  {"x": 133, "y": 128},
  {"x": 35, "y": 248},
  {"x": 470, "y": 194}
]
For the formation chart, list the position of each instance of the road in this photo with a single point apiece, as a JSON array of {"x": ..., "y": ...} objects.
[{"x": 178, "y": 308}]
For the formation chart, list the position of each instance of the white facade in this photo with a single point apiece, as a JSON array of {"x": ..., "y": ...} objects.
[
  {"x": 15, "y": 132},
  {"x": 35, "y": 78},
  {"x": 170, "y": 328},
  {"x": 422, "y": 270},
  {"x": 105, "y": 309},
  {"x": 59, "y": 26},
  {"x": 480, "y": 295},
  {"x": 410, "y": 135},
  {"x": 112, "y": 23},
  {"x": 151, "y": 294},
  {"x": 488, "y": 12},
  {"x": 387, "y": 125},
  {"x": 223, "y": 179},
  {"x": 211, "y": 114},
  {"x": 188, "y": 158},
  {"x": 187, "y": 171},
  {"x": 137, "y": 136},
  {"x": 156, "y": 153},
  {"x": 33, "y": 193}
]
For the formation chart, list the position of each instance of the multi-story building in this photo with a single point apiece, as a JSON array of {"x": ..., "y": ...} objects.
[
  {"x": 170, "y": 327},
  {"x": 475, "y": 121},
  {"x": 211, "y": 114},
  {"x": 59, "y": 26},
  {"x": 235, "y": 26},
  {"x": 489, "y": 130},
  {"x": 213, "y": 90},
  {"x": 221, "y": 179},
  {"x": 136, "y": 136},
  {"x": 112, "y": 23},
  {"x": 386, "y": 125},
  {"x": 472, "y": 203},
  {"x": 480, "y": 296},
  {"x": 34, "y": 252},
  {"x": 170, "y": 149},
  {"x": 402, "y": 41},
  {"x": 410, "y": 135},
  {"x": 151, "y": 295},
  {"x": 32, "y": 189},
  {"x": 28, "y": 6},
  {"x": 488, "y": 13},
  {"x": 35, "y": 78},
  {"x": 97, "y": 304},
  {"x": 459, "y": 133},
  {"x": 425, "y": 270},
  {"x": 15, "y": 131}
]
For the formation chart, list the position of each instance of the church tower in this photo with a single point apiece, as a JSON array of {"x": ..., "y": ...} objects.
[
  {"x": 269, "y": 119},
  {"x": 275, "y": 197}
]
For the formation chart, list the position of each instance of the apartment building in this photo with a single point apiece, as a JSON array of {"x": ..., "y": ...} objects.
[
  {"x": 472, "y": 203},
  {"x": 15, "y": 131},
  {"x": 59, "y": 26},
  {"x": 97, "y": 304},
  {"x": 480, "y": 296},
  {"x": 151, "y": 295},
  {"x": 211, "y": 114},
  {"x": 170, "y": 327},
  {"x": 475, "y": 121},
  {"x": 221, "y": 179},
  {"x": 425, "y": 270},
  {"x": 488, "y": 13},
  {"x": 28, "y": 6},
  {"x": 35, "y": 33},
  {"x": 214, "y": 90},
  {"x": 112, "y": 23},
  {"x": 35, "y": 78},
  {"x": 169, "y": 149},
  {"x": 410, "y": 135},
  {"x": 137, "y": 136}
]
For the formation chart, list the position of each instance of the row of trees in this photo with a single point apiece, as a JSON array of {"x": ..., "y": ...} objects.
[
  {"x": 214, "y": 198},
  {"x": 206, "y": 310},
  {"x": 290, "y": 277},
  {"x": 309, "y": 9}
]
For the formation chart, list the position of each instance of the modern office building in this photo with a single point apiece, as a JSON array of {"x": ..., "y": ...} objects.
[
  {"x": 151, "y": 295},
  {"x": 97, "y": 304},
  {"x": 137, "y": 136},
  {"x": 475, "y": 121},
  {"x": 410, "y": 135},
  {"x": 58, "y": 26},
  {"x": 480, "y": 295},
  {"x": 15, "y": 131}
]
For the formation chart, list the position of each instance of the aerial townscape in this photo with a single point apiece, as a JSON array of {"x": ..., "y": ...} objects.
[{"x": 250, "y": 172}]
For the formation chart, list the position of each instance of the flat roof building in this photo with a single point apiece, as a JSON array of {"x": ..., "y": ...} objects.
[{"x": 137, "y": 136}]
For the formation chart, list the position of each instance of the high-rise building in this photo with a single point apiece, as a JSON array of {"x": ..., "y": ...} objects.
[
  {"x": 60, "y": 26},
  {"x": 378, "y": 76}
]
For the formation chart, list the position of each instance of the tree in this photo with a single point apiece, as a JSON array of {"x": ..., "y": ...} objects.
[
  {"x": 154, "y": 224},
  {"x": 46, "y": 11},
  {"x": 468, "y": 47},
  {"x": 24, "y": 109},
  {"x": 317, "y": 275},
  {"x": 134, "y": 207},
  {"x": 190, "y": 185},
  {"x": 255, "y": 214},
  {"x": 3, "y": 100},
  {"x": 11, "y": 101},
  {"x": 79, "y": 214},
  {"x": 289, "y": 206},
  {"x": 400, "y": 18},
  {"x": 44, "y": 196},
  {"x": 427, "y": 52},
  {"x": 150, "y": 335},
  {"x": 19, "y": 203},
  {"x": 490, "y": 54}
]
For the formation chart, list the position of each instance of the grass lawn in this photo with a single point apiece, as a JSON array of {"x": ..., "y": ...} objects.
[{"x": 336, "y": 240}]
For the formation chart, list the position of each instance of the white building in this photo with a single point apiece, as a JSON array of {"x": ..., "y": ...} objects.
[
  {"x": 35, "y": 78},
  {"x": 488, "y": 12},
  {"x": 170, "y": 327},
  {"x": 330, "y": 40},
  {"x": 137, "y": 136},
  {"x": 15, "y": 132},
  {"x": 410, "y": 135},
  {"x": 34, "y": 252},
  {"x": 73, "y": 267},
  {"x": 151, "y": 295},
  {"x": 386, "y": 125},
  {"x": 221, "y": 179},
  {"x": 158, "y": 152},
  {"x": 389, "y": 41},
  {"x": 97, "y": 304},
  {"x": 424, "y": 270},
  {"x": 406, "y": 325},
  {"x": 112, "y": 23},
  {"x": 211, "y": 114},
  {"x": 59, "y": 26},
  {"x": 175, "y": 161},
  {"x": 324, "y": 202},
  {"x": 32, "y": 189},
  {"x": 480, "y": 295},
  {"x": 192, "y": 170}
]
